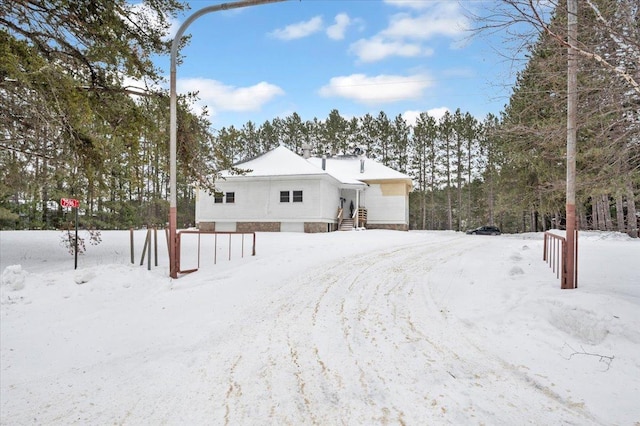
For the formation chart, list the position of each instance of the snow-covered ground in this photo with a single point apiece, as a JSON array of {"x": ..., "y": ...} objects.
[{"x": 371, "y": 327}]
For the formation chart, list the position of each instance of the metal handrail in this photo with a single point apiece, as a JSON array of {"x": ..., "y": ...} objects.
[{"x": 215, "y": 251}]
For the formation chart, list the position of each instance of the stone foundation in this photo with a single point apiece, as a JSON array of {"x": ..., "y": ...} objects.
[
  {"x": 258, "y": 227},
  {"x": 207, "y": 226},
  {"x": 315, "y": 227}
]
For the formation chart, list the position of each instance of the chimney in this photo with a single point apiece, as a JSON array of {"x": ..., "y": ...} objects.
[
  {"x": 324, "y": 162},
  {"x": 306, "y": 151},
  {"x": 362, "y": 165}
]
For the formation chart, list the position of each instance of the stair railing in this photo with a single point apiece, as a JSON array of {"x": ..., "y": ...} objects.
[{"x": 362, "y": 216}]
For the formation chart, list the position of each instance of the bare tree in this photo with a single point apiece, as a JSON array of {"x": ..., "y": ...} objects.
[{"x": 524, "y": 20}]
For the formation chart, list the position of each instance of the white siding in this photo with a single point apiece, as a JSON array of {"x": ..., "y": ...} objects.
[
  {"x": 382, "y": 209},
  {"x": 258, "y": 199}
]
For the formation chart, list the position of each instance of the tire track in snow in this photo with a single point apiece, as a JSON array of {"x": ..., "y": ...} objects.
[
  {"x": 464, "y": 358},
  {"x": 366, "y": 342},
  {"x": 331, "y": 376}
]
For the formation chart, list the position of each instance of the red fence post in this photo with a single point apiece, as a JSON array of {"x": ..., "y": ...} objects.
[
  {"x": 177, "y": 253},
  {"x": 575, "y": 263},
  {"x": 555, "y": 252}
]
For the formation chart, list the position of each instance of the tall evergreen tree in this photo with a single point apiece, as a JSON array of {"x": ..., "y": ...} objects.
[
  {"x": 335, "y": 133},
  {"x": 399, "y": 144},
  {"x": 446, "y": 135},
  {"x": 424, "y": 166},
  {"x": 71, "y": 119}
]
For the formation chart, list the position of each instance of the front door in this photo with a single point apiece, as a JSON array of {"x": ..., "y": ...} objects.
[{"x": 348, "y": 201}]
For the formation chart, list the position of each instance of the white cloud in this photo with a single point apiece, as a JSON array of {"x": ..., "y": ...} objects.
[
  {"x": 138, "y": 85},
  {"x": 412, "y": 4},
  {"x": 174, "y": 26},
  {"x": 377, "y": 48},
  {"x": 221, "y": 97},
  {"x": 411, "y": 116},
  {"x": 299, "y": 30},
  {"x": 445, "y": 19},
  {"x": 407, "y": 31},
  {"x": 337, "y": 30},
  {"x": 140, "y": 13},
  {"x": 438, "y": 113},
  {"x": 377, "y": 89}
]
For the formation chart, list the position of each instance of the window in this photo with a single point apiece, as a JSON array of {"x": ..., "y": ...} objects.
[
  {"x": 285, "y": 196},
  {"x": 231, "y": 197},
  {"x": 217, "y": 197}
]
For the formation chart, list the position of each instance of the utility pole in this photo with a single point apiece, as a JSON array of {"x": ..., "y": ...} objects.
[
  {"x": 572, "y": 107},
  {"x": 173, "y": 203}
]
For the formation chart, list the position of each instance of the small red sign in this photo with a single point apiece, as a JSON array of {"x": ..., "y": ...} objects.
[{"x": 69, "y": 202}]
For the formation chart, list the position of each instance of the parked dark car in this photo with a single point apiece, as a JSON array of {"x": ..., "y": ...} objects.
[{"x": 485, "y": 230}]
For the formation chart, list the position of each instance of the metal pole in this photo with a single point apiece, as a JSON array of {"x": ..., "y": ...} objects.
[
  {"x": 173, "y": 265},
  {"x": 155, "y": 244},
  {"x": 131, "y": 244},
  {"x": 572, "y": 104},
  {"x": 147, "y": 245}
]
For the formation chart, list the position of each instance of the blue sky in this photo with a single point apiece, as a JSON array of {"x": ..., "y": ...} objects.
[{"x": 356, "y": 56}]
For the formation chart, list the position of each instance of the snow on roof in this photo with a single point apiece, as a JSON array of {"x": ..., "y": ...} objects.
[
  {"x": 281, "y": 161},
  {"x": 347, "y": 168}
]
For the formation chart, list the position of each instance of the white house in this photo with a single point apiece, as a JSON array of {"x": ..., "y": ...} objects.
[{"x": 282, "y": 191}]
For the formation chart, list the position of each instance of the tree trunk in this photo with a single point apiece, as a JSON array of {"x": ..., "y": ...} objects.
[
  {"x": 449, "y": 210},
  {"x": 595, "y": 210},
  {"x": 491, "y": 199},
  {"x": 632, "y": 218},
  {"x": 469, "y": 220},
  {"x": 459, "y": 209},
  {"x": 583, "y": 223},
  {"x": 423, "y": 208},
  {"x": 606, "y": 213},
  {"x": 432, "y": 209},
  {"x": 620, "y": 213}
]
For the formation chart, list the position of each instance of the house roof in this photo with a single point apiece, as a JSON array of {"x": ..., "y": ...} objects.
[
  {"x": 278, "y": 162},
  {"x": 349, "y": 168},
  {"x": 281, "y": 161}
]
